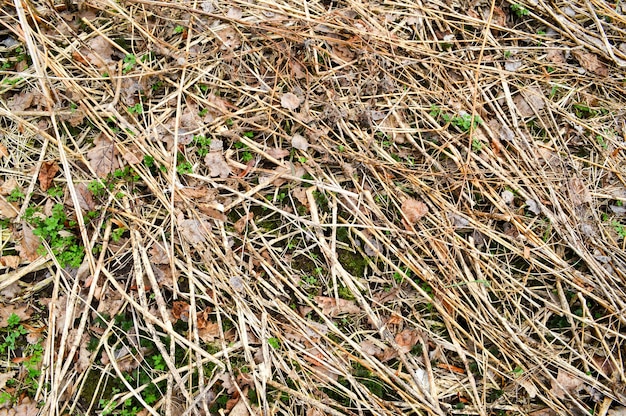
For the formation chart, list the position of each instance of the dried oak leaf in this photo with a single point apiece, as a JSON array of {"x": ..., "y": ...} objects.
[
  {"x": 290, "y": 101},
  {"x": 414, "y": 210},
  {"x": 591, "y": 63},
  {"x": 334, "y": 307},
  {"x": 46, "y": 174},
  {"x": 103, "y": 157}
]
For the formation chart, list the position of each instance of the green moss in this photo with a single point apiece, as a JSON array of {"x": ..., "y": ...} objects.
[{"x": 354, "y": 263}]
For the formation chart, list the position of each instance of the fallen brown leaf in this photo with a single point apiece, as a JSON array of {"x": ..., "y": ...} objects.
[
  {"x": 334, "y": 307},
  {"x": 565, "y": 384},
  {"x": 414, "y": 210},
  {"x": 407, "y": 339},
  {"x": 10, "y": 261},
  {"x": 46, "y": 174},
  {"x": 290, "y": 101},
  {"x": 7, "y": 209},
  {"x": 28, "y": 247},
  {"x": 591, "y": 63},
  {"x": 103, "y": 156},
  {"x": 7, "y": 310}
]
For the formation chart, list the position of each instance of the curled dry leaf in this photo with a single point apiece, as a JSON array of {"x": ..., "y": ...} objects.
[
  {"x": 102, "y": 157},
  {"x": 290, "y": 101},
  {"x": 334, "y": 307},
  {"x": 414, "y": 210},
  {"x": 46, "y": 174}
]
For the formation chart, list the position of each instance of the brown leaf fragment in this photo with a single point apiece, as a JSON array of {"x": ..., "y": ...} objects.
[
  {"x": 22, "y": 101},
  {"x": 28, "y": 248},
  {"x": 210, "y": 332},
  {"x": 579, "y": 192},
  {"x": 3, "y": 151},
  {"x": 10, "y": 261},
  {"x": 591, "y": 63},
  {"x": 407, "y": 339},
  {"x": 334, "y": 307},
  {"x": 414, "y": 210},
  {"x": 46, "y": 174},
  {"x": 8, "y": 209},
  {"x": 242, "y": 222},
  {"x": 290, "y": 101},
  {"x": 565, "y": 384},
  {"x": 22, "y": 311},
  {"x": 103, "y": 157},
  {"x": 217, "y": 165},
  {"x": 85, "y": 198}
]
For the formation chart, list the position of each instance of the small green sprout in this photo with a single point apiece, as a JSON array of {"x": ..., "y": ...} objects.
[{"x": 519, "y": 10}]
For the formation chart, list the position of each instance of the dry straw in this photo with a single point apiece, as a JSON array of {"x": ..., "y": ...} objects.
[{"x": 326, "y": 207}]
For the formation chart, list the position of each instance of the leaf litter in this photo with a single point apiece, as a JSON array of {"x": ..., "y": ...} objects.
[{"x": 329, "y": 207}]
